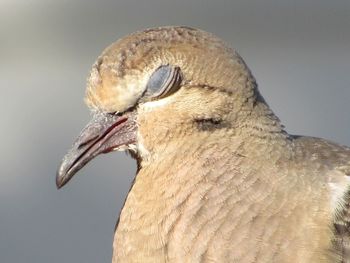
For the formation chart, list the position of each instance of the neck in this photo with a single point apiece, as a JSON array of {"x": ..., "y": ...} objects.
[
  {"x": 217, "y": 191},
  {"x": 193, "y": 184}
]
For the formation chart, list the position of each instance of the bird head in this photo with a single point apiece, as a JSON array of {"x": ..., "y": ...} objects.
[{"x": 153, "y": 88}]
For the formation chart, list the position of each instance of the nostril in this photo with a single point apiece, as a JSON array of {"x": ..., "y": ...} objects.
[
  {"x": 87, "y": 142},
  {"x": 113, "y": 113}
]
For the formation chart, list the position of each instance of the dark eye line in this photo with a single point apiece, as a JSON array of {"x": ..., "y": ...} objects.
[{"x": 190, "y": 84}]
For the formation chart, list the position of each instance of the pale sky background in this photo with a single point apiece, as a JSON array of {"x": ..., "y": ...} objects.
[{"x": 298, "y": 50}]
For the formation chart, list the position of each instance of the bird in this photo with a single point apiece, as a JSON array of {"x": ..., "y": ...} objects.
[{"x": 219, "y": 179}]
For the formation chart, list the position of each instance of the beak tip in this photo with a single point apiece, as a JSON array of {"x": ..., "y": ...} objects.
[
  {"x": 61, "y": 179},
  {"x": 59, "y": 183}
]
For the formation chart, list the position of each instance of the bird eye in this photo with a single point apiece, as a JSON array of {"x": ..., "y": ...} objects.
[{"x": 164, "y": 81}]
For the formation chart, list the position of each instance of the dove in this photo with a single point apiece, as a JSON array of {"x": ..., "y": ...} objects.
[{"x": 218, "y": 178}]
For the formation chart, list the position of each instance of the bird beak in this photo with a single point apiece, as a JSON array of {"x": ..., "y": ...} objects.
[{"x": 103, "y": 134}]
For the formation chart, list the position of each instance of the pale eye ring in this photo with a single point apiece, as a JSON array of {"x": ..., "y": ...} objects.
[{"x": 164, "y": 81}]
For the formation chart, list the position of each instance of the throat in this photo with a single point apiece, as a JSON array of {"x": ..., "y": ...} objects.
[
  {"x": 171, "y": 196},
  {"x": 184, "y": 201}
]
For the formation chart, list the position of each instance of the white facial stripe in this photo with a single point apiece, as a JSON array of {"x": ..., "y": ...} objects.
[
  {"x": 141, "y": 149},
  {"x": 156, "y": 103},
  {"x": 122, "y": 148}
]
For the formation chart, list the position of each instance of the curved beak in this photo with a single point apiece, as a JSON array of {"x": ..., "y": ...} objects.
[{"x": 103, "y": 134}]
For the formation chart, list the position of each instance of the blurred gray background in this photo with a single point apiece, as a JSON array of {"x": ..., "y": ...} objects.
[{"x": 298, "y": 50}]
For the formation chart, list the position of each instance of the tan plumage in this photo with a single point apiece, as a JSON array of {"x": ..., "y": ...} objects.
[{"x": 218, "y": 179}]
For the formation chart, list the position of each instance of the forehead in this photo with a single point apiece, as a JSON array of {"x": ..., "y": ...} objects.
[
  {"x": 132, "y": 51},
  {"x": 119, "y": 76}
]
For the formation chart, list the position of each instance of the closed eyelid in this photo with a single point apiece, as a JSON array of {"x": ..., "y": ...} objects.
[
  {"x": 164, "y": 81},
  {"x": 158, "y": 77}
]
